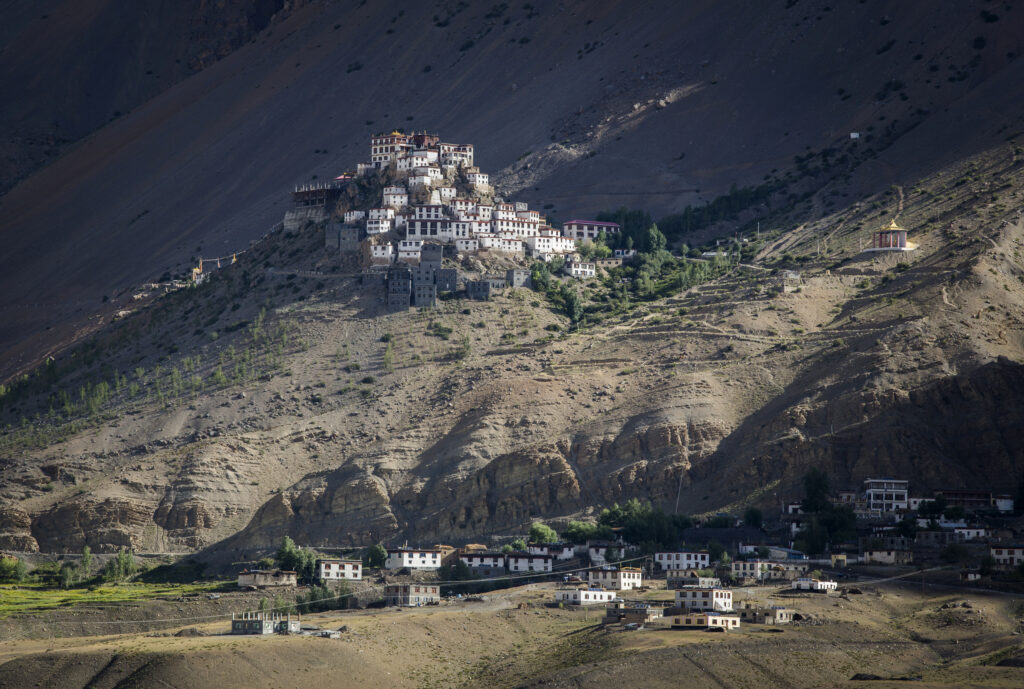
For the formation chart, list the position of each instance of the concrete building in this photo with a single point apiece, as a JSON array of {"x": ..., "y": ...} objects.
[
  {"x": 682, "y": 578},
  {"x": 578, "y": 596},
  {"x": 752, "y": 613},
  {"x": 624, "y": 579},
  {"x": 395, "y": 197},
  {"x": 382, "y": 254},
  {"x": 265, "y": 623},
  {"x": 588, "y": 230},
  {"x": 705, "y": 621},
  {"x": 887, "y": 557},
  {"x": 263, "y": 578},
  {"x": 631, "y": 612},
  {"x": 446, "y": 279},
  {"x": 335, "y": 570},
  {"x": 683, "y": 560},
  {"x": 814, "y": 585},
  {"x": 411, "y": 595},
  {"x": 556, "y": 551},
  {"x": 353, "y": 217},
  {"x": 580, "y": 270},
  {"x": 478, "y": 289},
  {"x": 1007, "y": 556},
  {"x": 399, "y": 287},
  {"x": 528, "y": 562},
  {"x": 424, "y": 295},
  {"x": 716, "y": 599},
  {"x": 413, "y": 558},
  {"x": 378, "y": 226},
  {"x": 758, "y": 570},
  {"x": 484, "y": 562},
  {"x": 517, "y": 277},
  {"x": 886, "y": 494}
]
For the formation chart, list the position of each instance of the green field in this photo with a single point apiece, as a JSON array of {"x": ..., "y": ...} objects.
[{"x": 32, "y": 598}]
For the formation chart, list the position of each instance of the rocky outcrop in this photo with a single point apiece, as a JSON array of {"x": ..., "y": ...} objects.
[
  {"x": 105, "y": 526},
  {"x": 16, "y": 530}
]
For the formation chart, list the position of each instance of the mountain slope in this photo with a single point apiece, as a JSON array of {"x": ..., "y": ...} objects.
[{"x": 607, "y": 104}]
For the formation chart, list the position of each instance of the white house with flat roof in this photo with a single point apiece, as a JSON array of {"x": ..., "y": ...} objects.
[
  {"x": 698, "y": 559},
  {"x": 814, "y": 585},
  {"x": 886, "y": 494},
  {"x": 528, "y": 562},
  {"x": 335, "y": 570},
  {"x": 413, "y": 558},
  {"x": 584, "y": 596},
  {"x": 715, "y": 599},
  {"x": 588, "y": 230},
  {"x": 623, "y": 579}
]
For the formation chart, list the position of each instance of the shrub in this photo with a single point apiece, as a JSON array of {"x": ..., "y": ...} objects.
[
  {"x": 12, "y": 570},
  {"x": 368, "y": 380}
]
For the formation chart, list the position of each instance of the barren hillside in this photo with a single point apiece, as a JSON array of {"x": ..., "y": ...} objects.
[
  {"x": 281, "y": 398},
  {"x": 587, "y": 105}
]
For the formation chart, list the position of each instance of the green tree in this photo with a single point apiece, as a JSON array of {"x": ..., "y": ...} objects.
[
  {"x": 389, "y": 358},
  {"x": 542, "y": 533},
  {"x": 375, "y": 556},
  {"x": 264, "y": 604},
  {"x": 753, "y": 517},
  {"x": 67, "y": 576},
  {"x": 517, "y": 545},
  {"x": 579, "y": 532},
  {"x": 654, "y": 240},
  {"x": 85, "y": 566},
  {"x": 954, "y": 553},
  {"x": 816, "y": 491},
  {"x": 121, "y": 568},
  {"x": 716, "y": 551},
  {"x": 12, "y": 570}
]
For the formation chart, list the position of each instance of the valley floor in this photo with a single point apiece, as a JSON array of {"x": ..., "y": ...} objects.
[{"x": 512, "y": 639}]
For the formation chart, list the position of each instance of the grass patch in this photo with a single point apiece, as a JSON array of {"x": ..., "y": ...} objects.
[{"x": 28, "y": 599}]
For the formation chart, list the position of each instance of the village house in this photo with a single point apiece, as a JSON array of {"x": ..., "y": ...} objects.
[
  {"x": 413, "y": 558},
  {"x": 680, "y": 578},
  {"x": 352, "y": 217},
  {"x": 380, "y": 214},
  {"x": 333, "y": 570},
  {"x": 557, "y": 551},
  {"x": 758, "y": 570},
  {"x": 265, "y": 623},
  {"x": 411, "y": 595},
  {"x": 464, "y": 246},
  {"x": 409, "y": 250},
  {"x": 528, "y": 562},
  {"x": 424, "y": 295},
  {"x": 813, "y": 585},
  {"x": 623, "y": 579},
  {"x": 517, "y": 277},
  {"x": 484, "y": 562},
  {"x": 774, "y": 552},
  {"x": 580, "y": 269},
  {"x": 705, "y": 621},
  {"x": 751, "y": 613},
  {"x": 395, "y": 197},
  {"x": 976, "y": 500},
  {"x": 382, "y": 253},
  {"x": 399, "y": 285},
  {"x": 588, "y": 230},
  {"x": 456, "y": 155},
  {"x": 971, "y": 533},
  {"x": 886, "y": 494},
  {"x": 624, "y": 254},
  {"x": 683, "y": 560},
  {"x": 378, "y": 226},
  {"x": 631, "y": 612},
  {"x": 597, "y": 551},
  {"x": 580, "y": 596},
  {"x": 263, "y": 578},
  {"x": 887, "y": 557},
  {"x": 548, "y": 243},
  {"x": 479, "y": 180},
  {"x": 478, "y": 289},
  {"x": 1007, "y": 556},
  {"x": 717, "y": 599}
]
